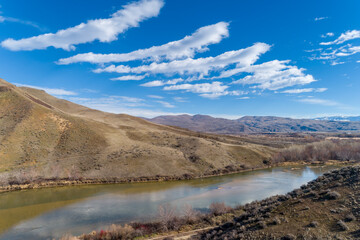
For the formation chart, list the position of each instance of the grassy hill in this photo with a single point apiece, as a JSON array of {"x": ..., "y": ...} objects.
[{"x": 45, "y": 137}]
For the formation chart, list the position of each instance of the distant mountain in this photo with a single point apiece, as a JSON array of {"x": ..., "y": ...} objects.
[
  {"x": 254, "y": 124},
  {"x": 340, "y": 118}
]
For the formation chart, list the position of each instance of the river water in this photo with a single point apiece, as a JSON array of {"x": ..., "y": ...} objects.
[{"x": 52, "y": 212}]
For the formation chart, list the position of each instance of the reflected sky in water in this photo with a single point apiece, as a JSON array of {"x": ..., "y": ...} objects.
[{"x": 48, "y": 213}]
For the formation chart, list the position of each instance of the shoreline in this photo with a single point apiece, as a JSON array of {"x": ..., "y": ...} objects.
[{"x": 52, "y": 183}]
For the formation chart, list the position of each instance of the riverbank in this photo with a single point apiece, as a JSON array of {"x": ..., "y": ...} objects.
[
  {"x": 325, "y": 208},
  {"x": 61, "y": 182}
]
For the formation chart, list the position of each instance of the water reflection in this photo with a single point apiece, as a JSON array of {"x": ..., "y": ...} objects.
[{"x": 47, "y": 213}]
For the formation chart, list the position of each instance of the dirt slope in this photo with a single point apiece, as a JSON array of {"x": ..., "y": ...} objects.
[{"x": 51, "y": 137}]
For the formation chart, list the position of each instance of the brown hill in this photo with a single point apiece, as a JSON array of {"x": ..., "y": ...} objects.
[
  {"x": 49, "y": 137},
  {"x": 254, "y": 124}
]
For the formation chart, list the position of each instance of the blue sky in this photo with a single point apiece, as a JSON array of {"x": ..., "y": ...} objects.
[{"x": 155, "y": 57}]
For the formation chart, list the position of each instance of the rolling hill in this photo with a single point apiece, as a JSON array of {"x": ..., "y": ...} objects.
[
  {"x": 47, "y": 137},
  {"x": 255, "y": 124}
]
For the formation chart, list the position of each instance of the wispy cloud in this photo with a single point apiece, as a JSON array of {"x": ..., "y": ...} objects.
[
  {"x": 108, "y": 102},
  {"x": 304, "y": 90},
  {"x": 17, "y": 20},
  {"x": 184, "y": 48},
  {"x": 329, "y": 34},
  {"x": 243, "y": 98},
  {"x": 333, "y": 54},
  {"x": 320, "y": 18},
  {"x": 24, "y": 22},
  {"x": 129, "y": 78},
  {"x": 104, "y": 30},
  {"x": 348, "y": 35},
  {"x": 159, "y": 83},
  {"x": 121, "y": 104},
  {"x": 166, "y": 104},
  {"x": 319, "y": 101},
  {"x": 155, "y": 96},
  {"x": 52, "y": 91},
  {"x": 180, "y": 99}
]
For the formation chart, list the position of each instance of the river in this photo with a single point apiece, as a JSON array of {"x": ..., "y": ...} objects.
[{"x": 52, "y": 212}]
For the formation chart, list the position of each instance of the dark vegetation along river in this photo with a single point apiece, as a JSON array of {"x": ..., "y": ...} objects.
[{"x": 52, "y": 212}]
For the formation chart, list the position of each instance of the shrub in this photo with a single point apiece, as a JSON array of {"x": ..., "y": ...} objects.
[
  {"x": 167, "y": 215},
  {"x": 332, "y": 195},
  {"x": 218, "y": 208},
  {"x": 190, "y": 215},
  {"x": 344, "y": 150}
]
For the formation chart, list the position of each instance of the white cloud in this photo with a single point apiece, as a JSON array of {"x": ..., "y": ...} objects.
[
  {"x": 199, "y": 88},
  {"x": 180, "y": 99},
  {"x": 156, "y": 83},
  {"x": 165, "y": 104},
  {"x": 334, "y": 63},
  {"x": 244, "y": 98},
  {"x": 329, "y": 34},
  {"x": 332, "y": 54},
  {"x": 215, "y": 95},
  {"x": 159, "y": 83},
  {"x": 320, "y": 18},
  {"x": 129, "y": 78},
  {"x": 319, "y": 101},
  {"x": 304, "y": 90},
  {"x": 358, "y": 61},
  {"x": 119, "y": 104},
  {"x": 349, "y": 35},
  {"x": 207, "y": 90},
  {"x": 52, "y": 91},
  {"x": 184, "y": 48},
  {"x": 2, "y": 19},
  {"x": 271, "y": 75},
  {"x": 242, "y": 57},
  {"x": 108, "y": 102},
  {"x": 104, "y": 30},
  {"x": 155, "y": 96}
]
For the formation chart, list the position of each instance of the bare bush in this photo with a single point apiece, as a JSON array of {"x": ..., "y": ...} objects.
[
  {"x": 69, "y": 237},
  {"x": 167, "y": 215},
  {"x": 120, "y": 232},
  {"x": 218, "y": 208},
  {"x": 190, "y": 214}
]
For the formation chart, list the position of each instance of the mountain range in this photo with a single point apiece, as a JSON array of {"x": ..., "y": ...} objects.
[{"x": 254, "y": 124}]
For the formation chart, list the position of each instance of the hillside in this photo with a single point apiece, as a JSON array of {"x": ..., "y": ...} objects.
[
  {"x": 254, "y": 124},
  {"x": 45, "y": 137}
]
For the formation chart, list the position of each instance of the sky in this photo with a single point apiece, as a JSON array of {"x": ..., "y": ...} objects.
[{"x": 228, "y": 59}]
